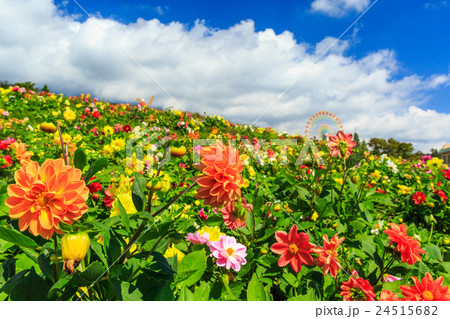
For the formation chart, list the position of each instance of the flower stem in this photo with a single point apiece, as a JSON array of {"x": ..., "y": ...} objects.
[
  {"x": 66, "y": 158},
  {"x": 173, "y": 200},
  {"x": 55, "y": 265}
]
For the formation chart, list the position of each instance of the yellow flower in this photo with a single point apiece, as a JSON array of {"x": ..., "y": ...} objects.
[
  {"x": 127, "y": 203},
  {"x": 108, "y": 150},
  {"x": 197, "y": 202},
  {"x": 435, "y": 163},
  {"x": 118, "y": 144},
  {"x": 108, "y": 130},
  {"x": 339, "y": 180},
  {"x": 133, "y": 165},
  {"x": 174, "y": 251},
  {"x": 69, "y": 115},
  {"x": 245, "y": 183},
  {"x": 214, "y": 232},
  {"x": 404, "y": 189},
  {"x": 251, "y": 171},
  {"x": 376, "y": 174},
  {"x": 314, "y": 216}
]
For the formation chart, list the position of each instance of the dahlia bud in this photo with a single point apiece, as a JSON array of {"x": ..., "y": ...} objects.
[
  {"x": 354, "y": 178},
  {"x": 74, "y": 248},
  {"x": 276, "y": 208},
  {"x": 241, "y": 211},
  {"x": 48, "y": 127},
  {"x": 177, "y": 151},
  {"x": 154, "y": 185}
]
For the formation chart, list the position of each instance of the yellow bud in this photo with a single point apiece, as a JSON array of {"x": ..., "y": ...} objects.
[
  {"x": 74, "y": 248},
  {"x": 48, "y": 127}
]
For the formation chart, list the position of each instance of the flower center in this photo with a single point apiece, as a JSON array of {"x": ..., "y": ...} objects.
[
  {"x": 42, "y": 200},
  {"x": 230, "y": 251},
  {"x": 427, "y": 295},
  {"x": 293, "y": 249}
]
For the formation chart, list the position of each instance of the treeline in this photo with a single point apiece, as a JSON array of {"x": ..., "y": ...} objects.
[
  {"x": 394, "y": 148},
  {"x": 27, "y": 85}
]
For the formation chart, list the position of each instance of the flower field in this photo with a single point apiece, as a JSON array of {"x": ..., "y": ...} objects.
[{"x": 104, "y": 201}]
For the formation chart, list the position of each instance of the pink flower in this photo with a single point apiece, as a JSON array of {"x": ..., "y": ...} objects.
[
  {"x": 390, "y": 278},
  {"x": 196, "y": 238},
  {"x": 341, "y": 144},
  {"x": 426, "y": 158},
  {"x": 202, "y": 215},
  {"x": 229, "y": 253}
]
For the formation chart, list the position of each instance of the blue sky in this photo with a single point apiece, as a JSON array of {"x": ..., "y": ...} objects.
[
  {"x": 417, "y": 30},
  {"x": 388, "y": 76}
]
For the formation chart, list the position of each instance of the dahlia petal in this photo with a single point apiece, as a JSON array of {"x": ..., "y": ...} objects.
[
  {"x": 281, "y": 236},
  {"x": 285, "y": 259},
  {"x": 279, "y": 248}
]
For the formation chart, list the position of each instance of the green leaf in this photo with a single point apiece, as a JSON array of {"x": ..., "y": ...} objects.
[
  {"x": 368, "y": 246},
  {"x": 380, "y": 198},
  {"x": 255, "y": 290},
  {"x": 249, "y": 222},
  {"x": 16, "y": 237},
  {"x": 138, "y": 192},
  {"x": 353, "y": 160},
  {"x": 165, "y": 293},
  {"x": 201, "y": 292},
  {"x": 130, "y": 292},
  {"x": 98, "y": 165},
  {"x": 79, "y": 159},
  {"x": 291, "y": 279},
  {"x": 98, "y": 249},
  {"x": 309, "y": 296},
  {"x": 30, "y": 288},
  {"x": 46, "y": 266},
  {"x": 11, "y": 283},
  {"x": 88, "y": 276},
  {"x": 257, "y": 204},
  {"x": 123, "y": 215},
  {"x": 65, "y": 227},
  {"x": 186, "y": 294},
  {"x": 191, "y": 268},
  {"x": 58, "y": 286},
  {"x": 433, "y": 251}
]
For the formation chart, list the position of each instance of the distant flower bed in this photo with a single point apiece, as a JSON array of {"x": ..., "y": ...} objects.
[{"x": 104, "y": 201}]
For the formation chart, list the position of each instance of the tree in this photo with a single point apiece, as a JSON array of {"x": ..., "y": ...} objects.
[
  {"x": 45, "y": 88},
  {"x": 434, "y": 152},
  {"x": 391, "y": 147},
  {"x": 27, "y": 85},
  {"x": 5, "y": 84}
]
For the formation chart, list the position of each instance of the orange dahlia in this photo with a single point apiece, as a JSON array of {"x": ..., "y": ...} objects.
[
  {"x": 221, "y": 180},
  {"x": 43, "y": 196},
  {"x": 22, "y": 155},
  {"x": 234, "y": 213},
  {"x": 427, "y": 290},
  {"x": 408, "y": 247},
  {"x": 327, "y": 258}
]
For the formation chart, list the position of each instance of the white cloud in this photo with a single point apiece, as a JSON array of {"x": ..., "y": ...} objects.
[
  {"x": 234, "y": 72},
  {"x": 339, "y": 8},
  {"x": 436, "y": 5}
]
